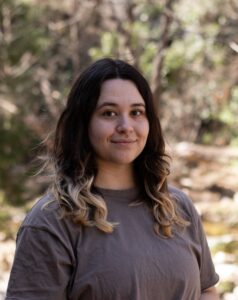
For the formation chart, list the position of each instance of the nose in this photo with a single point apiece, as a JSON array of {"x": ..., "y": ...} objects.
[{"x": 124, "y": 125}]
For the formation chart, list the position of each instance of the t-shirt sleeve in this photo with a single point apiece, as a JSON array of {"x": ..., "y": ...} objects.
[
  {"x": 41, "y": 268},
  {"x": 44, "y": 258},
  {"x": 208, "y": 275}
]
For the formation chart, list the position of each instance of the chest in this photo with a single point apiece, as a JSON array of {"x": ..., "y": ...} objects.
[{"x": 134, "y": 263}]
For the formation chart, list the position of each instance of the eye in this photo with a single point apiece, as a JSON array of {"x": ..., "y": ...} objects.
[
  {"x": 108, "y": 113},
  {"x": 137, "y": 112}
]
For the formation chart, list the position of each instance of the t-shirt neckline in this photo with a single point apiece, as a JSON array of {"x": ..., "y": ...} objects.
[{"x": 126, "y": 195}]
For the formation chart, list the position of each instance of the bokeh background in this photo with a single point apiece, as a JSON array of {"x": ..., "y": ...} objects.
[{"x": 188, "y": 51}]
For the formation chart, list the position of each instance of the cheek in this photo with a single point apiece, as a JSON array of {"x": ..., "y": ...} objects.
[
  {"x": 98, "y": 131},
  {"x": 144, "y": 129},
  {"x": 94, "y": 137}
]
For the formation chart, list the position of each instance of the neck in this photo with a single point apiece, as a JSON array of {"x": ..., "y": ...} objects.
[{"x": 115, "y": 177}]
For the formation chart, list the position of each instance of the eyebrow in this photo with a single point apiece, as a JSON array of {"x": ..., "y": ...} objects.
[{"x": 115, "y": 105}]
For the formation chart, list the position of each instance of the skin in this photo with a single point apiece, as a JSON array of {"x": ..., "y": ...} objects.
[
  {"x": 210, "y": 294},
  {"x": 118, "y": 132}
]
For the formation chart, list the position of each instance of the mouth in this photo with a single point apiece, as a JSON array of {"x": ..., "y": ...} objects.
[{"x": 123, "y": 141}]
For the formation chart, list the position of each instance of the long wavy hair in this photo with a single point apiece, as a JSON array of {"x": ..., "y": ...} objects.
[{"x": 72, "y": 159}]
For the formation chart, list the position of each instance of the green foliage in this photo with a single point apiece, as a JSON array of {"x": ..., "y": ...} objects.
[
  {"x": 26, "y": 40},
  {"x": 27, "y": 33},
  {"x": 141, "y": 34},
  {"x": 229, "y": 112},
  {"x": 228, "y": 115},
  {"x": 226, "y": 287},
  {"x": 15, "y": 153},
  {"x": 146, "y": 58},
  {"x": 108, "y": 46}
]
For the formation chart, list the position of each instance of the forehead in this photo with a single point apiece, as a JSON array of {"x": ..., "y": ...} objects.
[{"x": 118, "y": 91}]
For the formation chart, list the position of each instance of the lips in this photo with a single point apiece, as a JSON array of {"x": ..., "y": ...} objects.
[{"x": 123, "y": 141}]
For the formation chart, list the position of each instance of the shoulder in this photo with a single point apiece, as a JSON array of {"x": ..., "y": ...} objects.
[
  {"x": 45, "y": 210},
  {"x": 179, "y": 196},
  {"x": 184, "y": 204},
  {"x": 46, "y": 215}
]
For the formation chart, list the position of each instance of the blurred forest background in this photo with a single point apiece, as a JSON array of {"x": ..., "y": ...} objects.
[{"x": 188, "y": 51}]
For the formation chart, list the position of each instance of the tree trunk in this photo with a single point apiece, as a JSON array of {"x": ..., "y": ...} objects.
[{"x": 156, "y": 83}]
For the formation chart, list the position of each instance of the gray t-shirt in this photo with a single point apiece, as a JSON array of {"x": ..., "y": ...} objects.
[{"x": 57, "y": 260}]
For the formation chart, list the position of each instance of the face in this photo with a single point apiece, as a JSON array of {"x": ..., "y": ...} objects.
[{"x": 119, "y": 127}]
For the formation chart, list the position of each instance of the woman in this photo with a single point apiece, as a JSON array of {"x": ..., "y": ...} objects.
[{"x": 111, "y": 228}]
